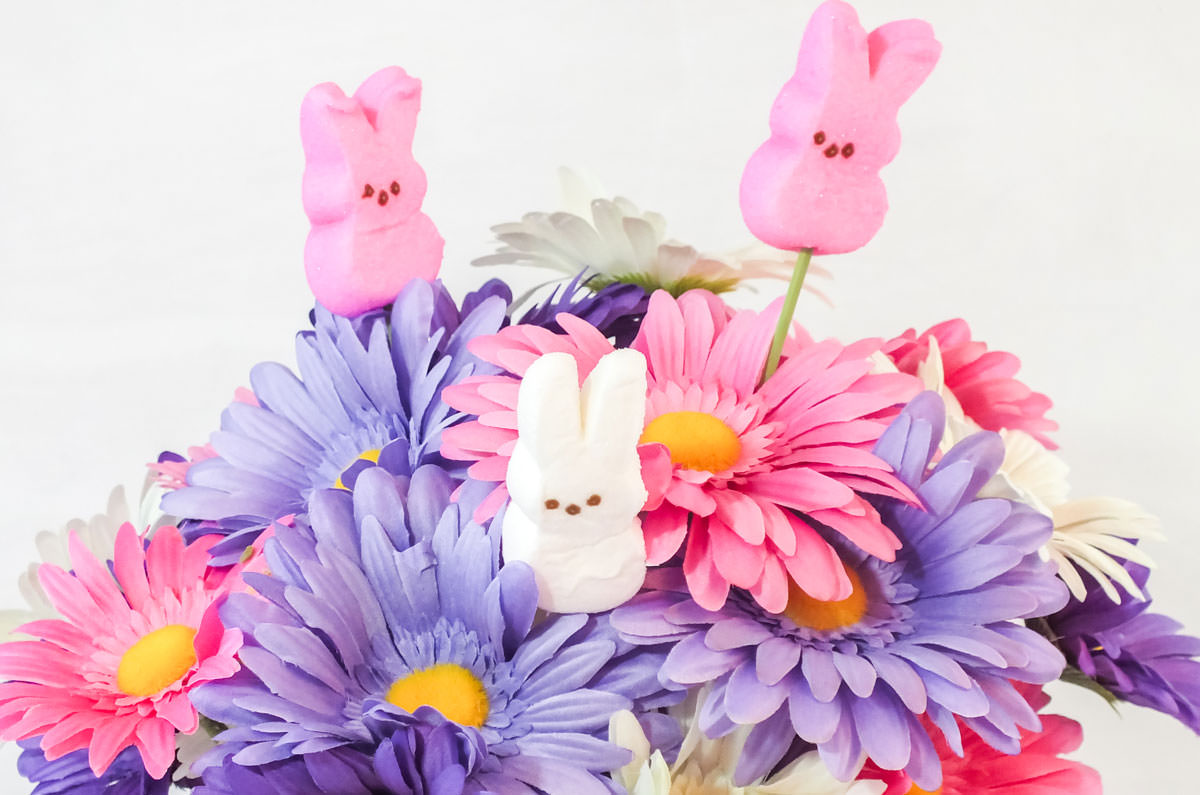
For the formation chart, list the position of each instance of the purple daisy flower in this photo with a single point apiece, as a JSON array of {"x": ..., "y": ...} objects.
[
  {"x": 339, "y": 771},
  {"x": 1138, "y": 656},
  {"x": 389, "y": 628},
  {"x": 368, "y": 393},
  {"x": 426, "y": 760},
  {"x": 616, "y": 310},
  {"x": 931, "y": 633},
  {"x": 72, "y": 774}
]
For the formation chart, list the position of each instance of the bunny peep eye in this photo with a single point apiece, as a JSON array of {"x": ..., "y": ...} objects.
[
  {"x": 368, "y": 191},
  {"x": 383, "y": 198},
  {"x": 819, "y": 138},
  {"x": 847, "y": 150},
  {"x": 395, "y": 187},
  {"x": 593, "y": 500},
  {"x": 831, "y": 150},
  {"x": 551, "y": 504},
  {"x": 573, "y": 509}
]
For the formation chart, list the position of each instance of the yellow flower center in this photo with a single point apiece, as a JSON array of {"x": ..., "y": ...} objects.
[
  {"x": 450, "y": 689},
  {"x": 157, "y": 660},
  {"x": 366, "y": 455},
  {"x": 696, "y": 440},
  {"x": 806, "y": 611}
]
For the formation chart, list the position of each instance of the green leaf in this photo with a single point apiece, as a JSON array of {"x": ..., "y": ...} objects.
[
  {"x": 211, "y": 727},
  {"x": 675, "y": 288},
  {"x": 1074, "y": 676}
]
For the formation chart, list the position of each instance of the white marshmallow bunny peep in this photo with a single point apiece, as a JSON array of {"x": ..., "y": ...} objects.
[{"x": 576, "y": 483}]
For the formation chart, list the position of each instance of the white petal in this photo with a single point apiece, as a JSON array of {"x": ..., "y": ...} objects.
[
  {"x": 1034, "y": 471},
  {"x": 809, "y": 776},
  {"x": 614, "y": 237},
  {"x": 625, "y": 731}
]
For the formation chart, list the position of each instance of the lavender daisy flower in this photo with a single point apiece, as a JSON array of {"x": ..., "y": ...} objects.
[
  {"x": 616, "y": 310},
  {"x": 388, "y": 628},
  {"x": 367, "y": 394},
  {"x": 71, "y": 774},
  {"x": 931, "y": 633},
  {"x": 339, "y": 771},
  {"x": 1138, "y": 656}
]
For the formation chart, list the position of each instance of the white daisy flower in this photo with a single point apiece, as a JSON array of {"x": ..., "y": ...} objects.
[
  {"x": 611, "y": 240},
  {"x": 705, "y": 766},
  {"x": 98, "y": 534},
  {"x": 1088, "y": 533}
]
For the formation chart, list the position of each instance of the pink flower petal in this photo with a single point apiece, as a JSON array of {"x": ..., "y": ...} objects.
[
  {"x": 664, "y": 531},
  {"x": 738, "y": 562},
  {"x": 691, "y": 496},
  {"x": 867, "y": 531},
  {"x": 129, "y": 564},
  {"x": 155, "y": 741},
  {"x": 742, "y": 514},
  {"x": 771, "y": 591},
  {"x": 708, "y": 588},
  {"x": 94, "y": 577},
  {"x": 163, "y": 560},
  {"x": 109, "y": 738},
  {"x": 656, "y": 473},
  {"x": 802, "y": 489},
  {"x": 662, "y": 341},
  {"x": 816, "y": 566},
  {"x": 177, "y": 710}
]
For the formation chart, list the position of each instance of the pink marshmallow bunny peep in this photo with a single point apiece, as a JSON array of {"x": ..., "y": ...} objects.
[
  {"x": 815, "y": 183},
  {"x": 363, "y": 192}
]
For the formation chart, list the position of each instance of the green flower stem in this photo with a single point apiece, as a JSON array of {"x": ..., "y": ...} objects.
[{"x": 786, "y": 314}]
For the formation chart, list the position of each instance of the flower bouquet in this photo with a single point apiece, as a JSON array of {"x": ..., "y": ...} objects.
[{"x": 611, "y": 536}]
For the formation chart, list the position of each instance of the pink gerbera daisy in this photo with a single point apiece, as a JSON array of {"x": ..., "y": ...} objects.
[
  {"x": 171, "y": 469},
  {"x": 984, "y": 382},
  {"x": 738, "y": 469},
  {"x": 116, "y": 670},
  {"x": 971, "y": 766}
]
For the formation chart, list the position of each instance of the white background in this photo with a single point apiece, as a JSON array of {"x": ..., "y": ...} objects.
[{"x": 151, "y": 228}]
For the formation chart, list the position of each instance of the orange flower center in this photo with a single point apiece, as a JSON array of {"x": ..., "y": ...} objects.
[
  {"x": 366, "y": 455},
  {"x": 915, "y": 790},
  {"x": 450, "y": 689},
  {"x": 806, "y": 611},
  {"x": 696, "y": 440},
  {"x": 157, "y": 660}
]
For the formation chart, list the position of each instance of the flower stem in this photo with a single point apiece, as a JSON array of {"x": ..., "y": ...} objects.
[{"x": 787, "y": 312}]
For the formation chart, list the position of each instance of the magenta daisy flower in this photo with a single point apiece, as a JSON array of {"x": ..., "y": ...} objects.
[
  {"x": 983, "y": 382},
  {"x": 739, "y": 469},
  {"x": 117, "y": 669}
]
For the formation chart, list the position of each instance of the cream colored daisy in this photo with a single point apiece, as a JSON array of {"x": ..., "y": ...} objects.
[
  {"x": 611, "y": 240},
  {"x": 705, "y": 766},
  {"x": 1089, "y": 534}
]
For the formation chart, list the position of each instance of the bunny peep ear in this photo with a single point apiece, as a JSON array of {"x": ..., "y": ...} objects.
[
  {"x": 548, "y": 408},
  {"x": 330, "y": 123},
  {"x": 903, "y": 53},
  {"x": 614, "y": 400},
  {"x": 832, "y": 60},
  {"x": 390, "y": 99},
  {"x": 329, "y": 118}
]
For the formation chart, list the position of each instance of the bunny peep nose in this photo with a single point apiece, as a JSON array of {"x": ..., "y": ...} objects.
[{"x": 695, "y": 439}]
